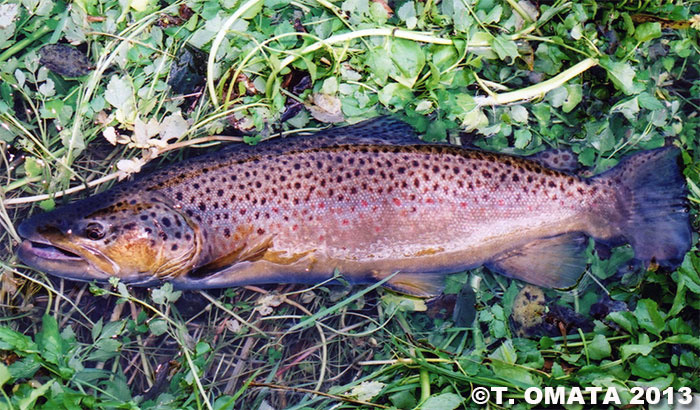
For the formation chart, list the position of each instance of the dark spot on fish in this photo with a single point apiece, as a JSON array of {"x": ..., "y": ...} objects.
[
  {"x": 297, "y": 166},
  {"x": 261, "y": 231},
  {"x": 202, "y": 206},
  {"x": 174, "y": 247},
  {"x": 178, "y": 196},
  {"x": 188, "y": 237},
  {"x": 371, "y": 171},
  {"x": 242, "y": 211},
  {"x": 189, "y": 212},
  {"x": 143, "y": 217},
  {"x": 178, "y": 235},
  {"x": 516, "y": 178},
  {"x": 129, "y": 226},
  {"x": 165, "y": 221},
  {"x": 195, "y": 185},
  {"x": 220, "y": 192},
  {"x": 551, "y": 184}
]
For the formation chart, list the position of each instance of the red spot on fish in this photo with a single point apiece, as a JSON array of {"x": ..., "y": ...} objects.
[
  {"x": 501, "y": 202},
  {"x": 295, "y": 227},
  {"x": 377, "y": 229},
  {"x": 321, "y": 205},
  {"x": 463, "y": 204},
  {"x": 346, "y": 222},
  {"x": 364, "y": 203},
  {"x": 429, "y": 201},
  {"x": 320, "y": 238},
  {"x": 397, "y": 202}
]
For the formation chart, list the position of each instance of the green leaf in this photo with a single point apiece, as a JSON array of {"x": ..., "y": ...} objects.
[
  {"x": 622, "y": 75},
  {"x": 4, "y": 374},
  {"x": 407, "y": 13},
  {"x": 165, "y": 294},
  {"x": 629, "y": 108},
  {"x": 647, "y": 31},
  {"x": 522, "y": 138},
  {"x": 49, "y": 340},
  {"x": 648, "y": 316},
  {"x": 380, "y": 65},
  {"x": 625, "y": 319},
  {"x": 395, "y": 95},
  {"x": 158, "y": 326},
  {"x": 574, "y": 96},
  {"x": 684, "y": 339},
  {"x": 47, "y": 205},
  {"x": 445, "y": 401},
  {"x": 632, "y": 349},
  {"x": 28, "y": 402},
  {"x": 504, "y": 47},
  {"x": 599, "y": 348},
  {"x": 12, "y": 340},
  {"x": 649, "y": 367},
  {"x": 404, "y": 399},
  {"x": 408, "y": 61},
  {"x": 649, "y": 102}
]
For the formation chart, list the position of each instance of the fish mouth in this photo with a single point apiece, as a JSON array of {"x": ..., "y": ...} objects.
[
  {"x": 50, "y": 256},
  {"x": 58, "y": 261}
]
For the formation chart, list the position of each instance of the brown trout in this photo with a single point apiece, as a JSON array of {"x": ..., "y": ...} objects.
[{"x": 367, "y": 200}]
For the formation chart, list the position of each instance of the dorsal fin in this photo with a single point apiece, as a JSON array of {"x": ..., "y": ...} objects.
[
  {"x": 560, "y": 159},
  {"x": 375, "y": 130}
]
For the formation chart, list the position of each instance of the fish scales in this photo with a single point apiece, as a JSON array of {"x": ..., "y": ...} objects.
[
  {"x": 358, "y": 202},
  {"x": 297, "y": 209}
]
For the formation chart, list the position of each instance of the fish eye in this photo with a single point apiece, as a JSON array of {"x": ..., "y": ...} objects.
[{"x": 94, "y": 231}]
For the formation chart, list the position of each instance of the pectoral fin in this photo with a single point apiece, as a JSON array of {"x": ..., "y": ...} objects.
[{"x": 554, "y": 262}]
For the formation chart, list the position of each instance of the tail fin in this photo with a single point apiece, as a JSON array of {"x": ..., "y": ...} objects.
[{"x": 654, "y": 197}]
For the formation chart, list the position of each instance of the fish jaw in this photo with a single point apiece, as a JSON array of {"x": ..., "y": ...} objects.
[
  {"x": 52, "y": 251},
  {"x": 42, "y": 255}
]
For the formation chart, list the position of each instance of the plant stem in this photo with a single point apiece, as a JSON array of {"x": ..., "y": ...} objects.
[
  {"x": 537, "y": 90},
  {"x": 23, "y": 43}
]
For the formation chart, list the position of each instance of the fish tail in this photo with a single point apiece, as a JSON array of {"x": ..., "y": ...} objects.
[{"x": 654, "y": 208}]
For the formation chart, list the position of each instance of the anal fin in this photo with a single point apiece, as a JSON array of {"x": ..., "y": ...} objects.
[
  {"x": 417, "y": 284},
  {"x": 553, "y": 262}
]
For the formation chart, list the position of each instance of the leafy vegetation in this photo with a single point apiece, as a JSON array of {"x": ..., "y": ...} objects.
[{"x": 602, "y": 78}]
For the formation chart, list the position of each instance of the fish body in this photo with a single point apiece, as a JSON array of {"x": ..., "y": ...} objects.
[{"x": 366, "y": 200}]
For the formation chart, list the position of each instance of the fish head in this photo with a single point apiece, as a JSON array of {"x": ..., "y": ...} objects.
[{"x": 138, "y": 239}]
